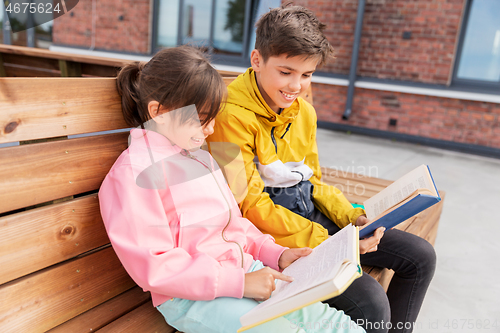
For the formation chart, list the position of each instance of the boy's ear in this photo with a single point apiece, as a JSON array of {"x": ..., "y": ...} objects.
[{"x": 256, "y": 60}]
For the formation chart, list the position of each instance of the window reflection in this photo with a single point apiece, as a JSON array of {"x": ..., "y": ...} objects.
[
  {"x": 480, "y": 58},
  {"x": 168, "y": 21},
  {"x": 229, "y": 26},
  {"x": 199, "y": 19},
  {"x": 196, "y": 19}
]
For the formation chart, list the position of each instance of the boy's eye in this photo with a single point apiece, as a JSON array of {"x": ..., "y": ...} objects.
[
  {"x": 285, "y": 73},
  {"x": 306, "y": 75}
]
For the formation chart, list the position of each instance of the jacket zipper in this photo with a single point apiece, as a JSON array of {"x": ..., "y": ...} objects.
[
  {"x": 274, "y": 139},
  {"x": 187, "y": 154},
  {"x": 302, "y": 198}
]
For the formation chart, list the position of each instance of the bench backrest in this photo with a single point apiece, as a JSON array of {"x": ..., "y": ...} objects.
[
  {"x": 54, "y": 253},
  {"x": 55, "y": 258}
]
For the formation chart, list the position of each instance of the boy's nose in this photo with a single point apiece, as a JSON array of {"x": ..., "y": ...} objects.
[{"x": 295, "y": 85}]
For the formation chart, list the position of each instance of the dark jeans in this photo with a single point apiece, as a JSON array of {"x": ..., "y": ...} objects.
[{"x": 413, "y": 260}]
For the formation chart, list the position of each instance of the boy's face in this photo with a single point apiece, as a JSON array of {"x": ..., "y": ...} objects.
[{"x": 281, "y": 79}]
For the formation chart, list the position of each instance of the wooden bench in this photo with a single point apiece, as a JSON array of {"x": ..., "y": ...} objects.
[
  {"x": 59, "y": 273},
  {"x": 20, "y": 61}
]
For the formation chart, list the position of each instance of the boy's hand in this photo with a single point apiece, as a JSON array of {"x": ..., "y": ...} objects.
[
  {"x": 290, "y": 255},
  {"x": 362, "y": 220},
  {"x": 370, "y": 244},
  {"x": 260, "y": 284}
]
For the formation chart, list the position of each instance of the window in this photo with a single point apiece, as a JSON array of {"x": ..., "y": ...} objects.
[
  {"x": 39, "y": 36},
  {"x": 478, "y": 58},
  {"x": 223, "y": 28}
]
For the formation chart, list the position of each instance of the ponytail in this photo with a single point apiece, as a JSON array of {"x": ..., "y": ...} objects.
[
  {"x": 175, "y": 77},
  {"x": 128, "y": 87}
]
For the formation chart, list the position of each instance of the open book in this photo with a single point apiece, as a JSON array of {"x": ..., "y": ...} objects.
[
  {"x": 325, "y": 273},
  {"x": 407, "y": 196}
]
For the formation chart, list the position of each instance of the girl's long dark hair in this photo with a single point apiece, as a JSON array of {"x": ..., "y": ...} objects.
[{"x": 174, "y": 77}]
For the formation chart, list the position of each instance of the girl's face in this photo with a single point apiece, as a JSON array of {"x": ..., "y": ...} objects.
[{"x": 189, "y": 135}]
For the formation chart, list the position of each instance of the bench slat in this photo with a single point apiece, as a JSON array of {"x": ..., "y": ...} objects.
[
  {"x": 99, "y": 70},
  {"x": 143, "y": 319},
  {"x": 35, "y": 108},
  {"x": 39, "y": 302},
  {"x": 30, "y": 61},
  {"x": 13, "y": 70},
  {"x": 47, "y": 55},
  {"x": 105, "y": 313},
  {"x": 37, "y": 173},
  {"x": 38, "y": 238}
]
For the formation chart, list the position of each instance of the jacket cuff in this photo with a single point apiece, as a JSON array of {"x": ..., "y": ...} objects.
[
  {"x": 270, "y": 253},
  {"x": 356, "y": 212},
  {"x": 231, "y": 282}
]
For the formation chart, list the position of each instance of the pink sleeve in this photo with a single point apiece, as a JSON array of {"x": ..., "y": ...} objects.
[
  {"x": 262, "y": 246},
  {"x": 142, "y": 238}
]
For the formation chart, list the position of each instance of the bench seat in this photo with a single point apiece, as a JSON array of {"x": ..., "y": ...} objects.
[{"x": 59, "y": 272}]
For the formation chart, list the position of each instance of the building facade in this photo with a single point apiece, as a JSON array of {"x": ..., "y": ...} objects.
[{"x": 427, "y": 71}]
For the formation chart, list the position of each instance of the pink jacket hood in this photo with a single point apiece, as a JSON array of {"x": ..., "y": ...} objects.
[{"x": 167, "y": 216}]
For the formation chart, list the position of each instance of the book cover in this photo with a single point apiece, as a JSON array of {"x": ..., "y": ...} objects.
[{"x": 406, "y": 197}]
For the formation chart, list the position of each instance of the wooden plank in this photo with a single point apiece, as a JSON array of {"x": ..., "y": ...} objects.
[
  {"x": 99, "y": 70},
  {"x": 334, "y": 173},
  {"x": 31, "y": 62},
  {"x": 38, "y": 238},
  {"x": 105, "y": 313},
  {"x": 34, "y": 108},
  {"x": 70, "y": 68},
  {"x": 224, "y": 73},
  {"x": 32, "y": 174},
  {"x": 354, "y": 183},
  {"x": 12, "y": 70},
  {"x": 145, "y": 319},
  {"x": 43, "y": 300},
  {"x": 2, "y": 68},
  {"x": 46, "y": 54}
]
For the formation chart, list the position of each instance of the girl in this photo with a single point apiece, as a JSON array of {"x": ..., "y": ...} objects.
[{"x": 172, "y": 219}]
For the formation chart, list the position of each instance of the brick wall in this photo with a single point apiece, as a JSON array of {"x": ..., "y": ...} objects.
[
  {"x": 426, "y": 57},
  {"x": 131, "y": 34},
  {"x": 426, "y": 116}
]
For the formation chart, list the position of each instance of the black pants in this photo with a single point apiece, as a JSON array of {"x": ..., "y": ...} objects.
[{"x": 413, "y": 260}]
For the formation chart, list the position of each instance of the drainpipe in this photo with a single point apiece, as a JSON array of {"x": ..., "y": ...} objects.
[
  {"x": 354, "y": 59},
  {"x": 6, "y": 27},
  {"x": 30, "y": 32}
]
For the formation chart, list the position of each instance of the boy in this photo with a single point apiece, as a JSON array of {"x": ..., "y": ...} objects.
[{"x": 276, "y": 132}]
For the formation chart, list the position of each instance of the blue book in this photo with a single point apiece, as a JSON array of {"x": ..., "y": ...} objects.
[{"x": 406, "y": 197}]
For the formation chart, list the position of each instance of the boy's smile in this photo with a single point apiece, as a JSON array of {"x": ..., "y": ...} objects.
[{"x": 281, "y": 79}]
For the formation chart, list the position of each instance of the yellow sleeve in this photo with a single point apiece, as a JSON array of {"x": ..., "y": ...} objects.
[
  {"x": 329, "y": 199},
  {"x": 288, "y": 228}
]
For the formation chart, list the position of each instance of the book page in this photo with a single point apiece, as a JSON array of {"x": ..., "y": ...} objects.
[
  {"x": 320, "y": 266},
  {"x": 401, "y": 189}
]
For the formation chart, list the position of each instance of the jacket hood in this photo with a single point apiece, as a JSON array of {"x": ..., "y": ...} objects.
[{"x": 245, "y": 93}]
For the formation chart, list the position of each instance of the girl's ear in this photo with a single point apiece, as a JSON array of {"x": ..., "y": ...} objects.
[
  {"x": 256, "y": 60},
  {"x": 154, "y": 112}
]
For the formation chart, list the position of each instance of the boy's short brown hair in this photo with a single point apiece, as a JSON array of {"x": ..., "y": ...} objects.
[{"x": 294, "y": 31}]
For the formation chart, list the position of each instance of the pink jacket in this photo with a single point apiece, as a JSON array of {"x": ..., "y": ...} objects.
[{"x": 166, "y": 216}]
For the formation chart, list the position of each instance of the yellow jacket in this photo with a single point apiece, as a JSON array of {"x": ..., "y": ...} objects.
[{"x": 273, "y": 146}]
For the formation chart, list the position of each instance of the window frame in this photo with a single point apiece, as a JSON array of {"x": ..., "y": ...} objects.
[
  {"x": 470, "y": 84},
  {"x": 236, "y": 60}
]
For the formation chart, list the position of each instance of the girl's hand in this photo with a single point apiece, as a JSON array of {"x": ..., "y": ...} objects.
[
  {"x": 371, "y": 244},
  {"x": 290, "y": 255},
  {"x": 260, "y": 284}
]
